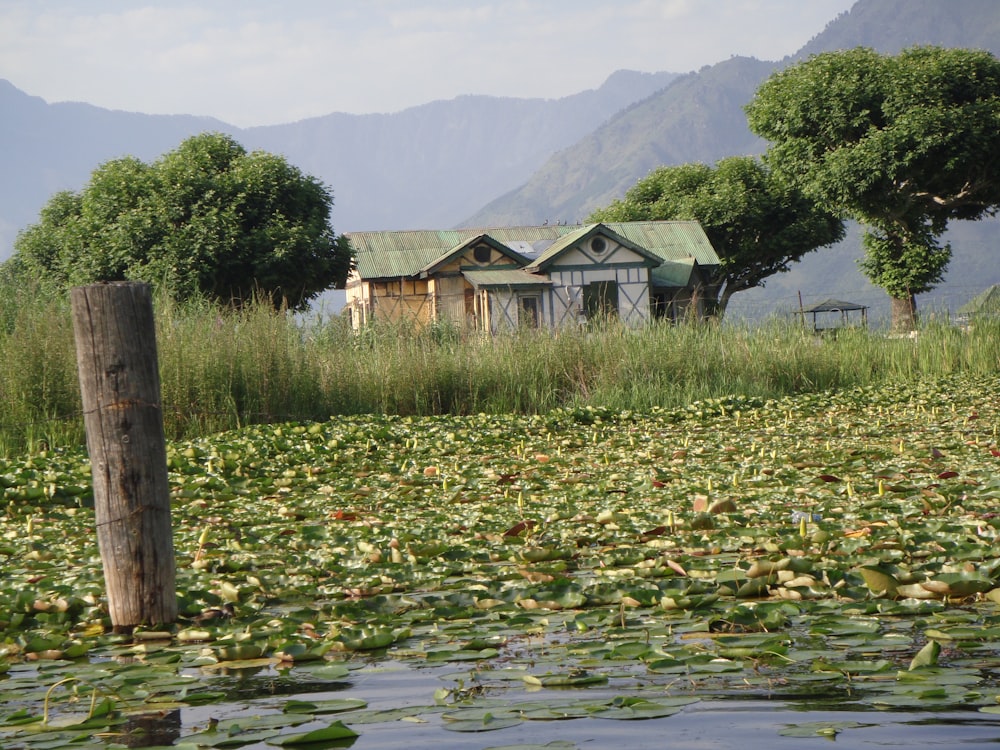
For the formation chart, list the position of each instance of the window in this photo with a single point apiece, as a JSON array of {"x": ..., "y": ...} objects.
[
  {"x": 600, "y": 299},
  {"x": 482, "y": 253},
  {"x": 598, "y": 245}
]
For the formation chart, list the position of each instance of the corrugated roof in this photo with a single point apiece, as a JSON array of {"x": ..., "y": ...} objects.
[
  {"x": 559, "y": 245},
  {"x": 985, "y": 302},
  {"x": 393, "y": 254},
  {"x": 461, "y": 247},
  {"x": 671, "y": 240},
  {"x": 673, "y": 273},
  {"x": 580, "y": 235},
  {"x": 502, "y": 277}
]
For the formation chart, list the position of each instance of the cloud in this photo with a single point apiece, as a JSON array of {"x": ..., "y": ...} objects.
[{"x": 256, "y": 62}]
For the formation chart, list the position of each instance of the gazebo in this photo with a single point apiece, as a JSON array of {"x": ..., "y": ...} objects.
[{"x": 835, "y": 308}]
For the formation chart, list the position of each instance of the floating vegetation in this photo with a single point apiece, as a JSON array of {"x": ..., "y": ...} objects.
[{"x": 582, "y": 564}]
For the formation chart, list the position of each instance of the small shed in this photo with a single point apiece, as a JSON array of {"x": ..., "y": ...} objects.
[{"x": 835, "y": 314}]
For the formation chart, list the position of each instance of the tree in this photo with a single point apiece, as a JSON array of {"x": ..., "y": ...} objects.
[
  {"x": 901, "y": 144},
  {"x": 208, "y": 219},
  {"x": 757, "y": 225}
]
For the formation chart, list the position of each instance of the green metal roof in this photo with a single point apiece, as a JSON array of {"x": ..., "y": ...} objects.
[
  {"x": 502, "y": 277},
  {"x": 395, "y": 254},
  {"x": 565, "y": 242},
  {"x": 465, "y": 245},
  {"x": 985, "y": 302},
  {"x": 670, "y": 240},
  {"x": 673, "y": 273}
]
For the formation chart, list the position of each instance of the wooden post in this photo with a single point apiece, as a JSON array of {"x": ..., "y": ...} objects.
[{"x": 120, "y": 384}]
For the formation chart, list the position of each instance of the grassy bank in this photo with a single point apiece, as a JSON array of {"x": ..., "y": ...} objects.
[{"x": 222, "y": 369}]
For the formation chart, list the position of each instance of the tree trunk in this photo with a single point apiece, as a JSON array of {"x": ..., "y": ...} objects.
[
  {"x": 723, "y": 302},
  {"x": 904, "y": 314},
  {"x": 120, "y": 385}
]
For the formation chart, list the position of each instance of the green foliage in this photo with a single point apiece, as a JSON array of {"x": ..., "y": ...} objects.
[
  {"x": 207, "y": 219},
  {"x": 903, "y": 144},
  {"x": 848, "y": 552},
  {"x": 757, "y": 224},
  {"x": 899, "y": 265},
  {"x": 222, "y": 367}
]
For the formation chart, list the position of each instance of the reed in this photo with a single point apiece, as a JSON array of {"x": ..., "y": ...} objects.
[{"x": 222, "y": 368}]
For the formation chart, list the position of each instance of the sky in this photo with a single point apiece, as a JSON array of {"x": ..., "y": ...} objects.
[{"x": 264, "y": 62}]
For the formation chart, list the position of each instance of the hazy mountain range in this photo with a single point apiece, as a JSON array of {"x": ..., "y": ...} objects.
[{"x": 487, "y": 161}]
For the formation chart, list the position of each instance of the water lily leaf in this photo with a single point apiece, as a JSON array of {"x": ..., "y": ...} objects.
[
  {"x": 565, "y": 680},
  {"x": 325, "y": 671},
  {"x": 480, "y": 720},
  {"x": 820, "y": 729},
  {"x": 331, "y": 706},
  {"x": 927, "y": 656},
  {"x": 335, "y": 731},
  {"x": 237, "y": 738},
  {"x": 462, "y": 655},
  {"x": 300, "y": 652},
  {"x": 963, "y": 584},
  {"x": 367, "y": 639},
  {"x": 201, "y": 697},
  {"x": 628, "y": 708},
  {"x": 879, "y": 582}
]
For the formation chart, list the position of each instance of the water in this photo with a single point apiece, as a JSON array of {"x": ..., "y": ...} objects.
[{"x": 713, "y": 723}]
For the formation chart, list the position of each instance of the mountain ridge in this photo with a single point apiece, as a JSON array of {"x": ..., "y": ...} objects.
[
  {"x": 479, "y": 161},
  {"x": 371, "y": 162},
  {"x": 704, "y": 112}
]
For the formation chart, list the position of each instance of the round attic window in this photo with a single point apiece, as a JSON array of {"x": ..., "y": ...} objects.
[
  {"x": 481, "y": 253},
  {"x": 598, "y": 245}
]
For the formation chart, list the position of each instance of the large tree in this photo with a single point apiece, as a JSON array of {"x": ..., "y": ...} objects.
[
  {"x": 208, "y": 219},
  {"x": 903, "y": 144},
  {"x": 757, "y": 225}
]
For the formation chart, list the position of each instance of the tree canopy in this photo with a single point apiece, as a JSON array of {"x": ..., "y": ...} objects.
[
  {"x": 207, "y": 219},
  {"x": 902, "y": 144},
  {"x": 757, "y": 225}
]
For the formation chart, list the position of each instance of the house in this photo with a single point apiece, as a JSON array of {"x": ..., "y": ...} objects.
[{"x": 503, "y": 278}]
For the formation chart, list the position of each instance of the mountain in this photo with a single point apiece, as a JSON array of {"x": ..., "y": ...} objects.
[
  {"x": 700, "y": 118},
  {"x": 45, "y": 148},
  {"x": 425, "y": 166},
  {"x": 479, "y": 161}
]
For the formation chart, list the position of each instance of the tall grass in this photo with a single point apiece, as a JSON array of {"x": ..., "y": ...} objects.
[{"x": 221, "y": 369}]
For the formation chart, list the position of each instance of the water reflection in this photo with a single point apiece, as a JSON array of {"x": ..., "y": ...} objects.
[{"x": 152, "y": 730}]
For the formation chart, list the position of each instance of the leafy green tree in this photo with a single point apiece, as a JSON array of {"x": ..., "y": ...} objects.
[
  {"x": 757, "y": 224},
  {"x": 208, "y": 219},
  {"x": 902, "y": 144}
]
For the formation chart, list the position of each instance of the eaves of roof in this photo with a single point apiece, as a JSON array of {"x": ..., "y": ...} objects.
[
  {"x": 986, "y": 301},
  {"x": 833, "y": 305},
  {"x": 465, "y": 245},
  {"x": 395, "y": 254},
  {"x": 670, "y": 240},
  {"x": 580, "y": 236},
  {"x": 495, "y": 278},
  {"x": 673, "y": 273}
]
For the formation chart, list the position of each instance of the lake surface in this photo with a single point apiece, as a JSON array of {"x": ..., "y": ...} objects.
[{"x": 710, "y": 723}]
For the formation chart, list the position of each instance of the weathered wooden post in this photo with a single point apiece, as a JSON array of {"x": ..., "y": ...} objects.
[{"x": 120, "y": 383}]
